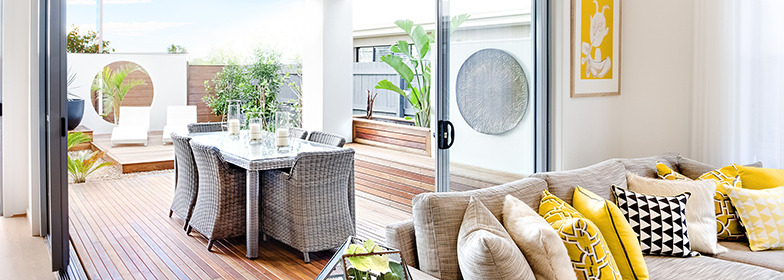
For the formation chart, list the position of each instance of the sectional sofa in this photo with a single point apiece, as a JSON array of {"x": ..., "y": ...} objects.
[{"x": 429, "y": 240}]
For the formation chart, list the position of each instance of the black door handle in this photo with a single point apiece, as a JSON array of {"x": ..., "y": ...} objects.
[{"x": 446, "y": 135}]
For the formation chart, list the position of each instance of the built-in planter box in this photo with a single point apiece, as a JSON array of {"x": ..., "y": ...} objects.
[{"x": 392, "y": 133}]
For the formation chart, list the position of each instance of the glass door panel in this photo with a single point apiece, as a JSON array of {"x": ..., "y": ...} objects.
[{"x": 490, "y": 102}]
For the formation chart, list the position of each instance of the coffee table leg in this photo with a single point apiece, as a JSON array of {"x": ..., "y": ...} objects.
[{"x": 252, "y": 215}]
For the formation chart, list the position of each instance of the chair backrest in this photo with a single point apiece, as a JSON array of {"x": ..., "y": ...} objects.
[
  {"x": 186, "y": 164},
  {"x": 298, "y": 133},
  {"x": 180, "y": 115},
  {"x": 205, "y": 127},
  {"x": 135, "y": 117},
  {"x": 210, "y": 165},
  {"x": 324, "y": 167},
  {"x": 327, "y": 138}
]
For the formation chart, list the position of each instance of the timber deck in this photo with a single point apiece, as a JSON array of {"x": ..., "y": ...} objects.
[
  {"x": 137, "y": 157},
  {"x": 121, "y": 230}
]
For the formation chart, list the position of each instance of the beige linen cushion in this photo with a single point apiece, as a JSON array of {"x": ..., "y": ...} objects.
[
  {"x": 438, "y": 216},
  {"x": 646, "y": 167},
  {"x": 694, "y": 169},
  {"x": 700, "y": 214},
  {"x": 485, "y": 250},
  {"x": 538, "y": 241}
]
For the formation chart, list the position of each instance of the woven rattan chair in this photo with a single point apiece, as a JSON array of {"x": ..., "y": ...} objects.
[
  {"x": 206, "y": 127},
  {"x": 311, "y": 208},
  {"x": 220, "y": 205},
  {"x": 186, "y": 182},
  {"x": 327, "y": 138},
  {"x": 298, "y": 133}
]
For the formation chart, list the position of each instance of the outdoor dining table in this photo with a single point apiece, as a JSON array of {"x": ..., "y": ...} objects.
[{"x": 255, "y": 157}]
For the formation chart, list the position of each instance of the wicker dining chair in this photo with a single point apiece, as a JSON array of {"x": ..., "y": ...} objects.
[
  {"x": 312, "y": 207},
  {"x": 327, "y": 138},
  {"x": 220, "y": 205},
  {"x": 205, "y": 127},
  {"x": 186, "y": 182},
  {"x": 298, "y": 133}
]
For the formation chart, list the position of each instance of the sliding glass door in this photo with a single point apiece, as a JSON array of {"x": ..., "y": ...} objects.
[{"x": 485, "y": 93}]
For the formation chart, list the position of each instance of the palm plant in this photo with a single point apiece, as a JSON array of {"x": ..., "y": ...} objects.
[
  {"x": 69, "y": 83},
  {"x": 418, "y": 74},
  {"x": 85, "y": 163},
  {"x": 113, "y": 87},
  {"x": 77, "y": 138}
]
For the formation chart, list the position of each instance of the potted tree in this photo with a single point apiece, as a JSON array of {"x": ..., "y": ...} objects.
[{"x": 75, "y": 104}]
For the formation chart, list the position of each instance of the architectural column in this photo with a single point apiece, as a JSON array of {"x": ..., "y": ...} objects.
[{"x": 327, "y": 67}]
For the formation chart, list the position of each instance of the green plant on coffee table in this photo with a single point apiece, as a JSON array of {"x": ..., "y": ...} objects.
[
  {"x": 85, "y": 162},
  {"x": 369, "y": 263},
  {"x": 418, "y": 75}
]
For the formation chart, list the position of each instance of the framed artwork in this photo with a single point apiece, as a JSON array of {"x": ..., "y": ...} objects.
[{"x": 596, "y": 48}]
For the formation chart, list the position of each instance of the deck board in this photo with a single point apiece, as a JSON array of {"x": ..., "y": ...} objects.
[
  {"x": 137, "y": 157},
  {"x": 121, "y": 230}
]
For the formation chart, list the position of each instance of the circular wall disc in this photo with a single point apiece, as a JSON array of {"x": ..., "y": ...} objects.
[{"x": 492, "y": 91}]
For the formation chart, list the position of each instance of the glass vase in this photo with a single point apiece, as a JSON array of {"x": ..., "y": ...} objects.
[
  {"x": 282, "y": 125},
  {"x": 234, "y": 118},
  {"x": 254, "y": 127}
]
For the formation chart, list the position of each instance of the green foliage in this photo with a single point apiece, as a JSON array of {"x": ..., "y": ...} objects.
[
  {"x": 219, "y": 56},
  {"x": 77, "y": 138},
  {"x": 377, "y": 267},
  {"x": 296, "y": 105},
  {"x": 85, "y": 43},
  {"x": 84, "y": 164},
  {"x": 257, "y": 85},
  {"x": 176, "y": 49},
  {"x": 112, "y": 87},
  {"x": 418, "y": 74},
  {"x": 71, "y": 78}
]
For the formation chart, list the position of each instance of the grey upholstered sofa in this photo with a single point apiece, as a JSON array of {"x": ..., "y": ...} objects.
[{"x": 429, "y": 241}]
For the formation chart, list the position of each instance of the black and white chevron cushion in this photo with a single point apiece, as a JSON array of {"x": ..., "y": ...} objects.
[{"x": 659, "y": 221}]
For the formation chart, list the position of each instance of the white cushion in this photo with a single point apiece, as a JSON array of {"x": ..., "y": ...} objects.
[
  {"x": 700, "y": 210},
  {"x": 129, "y": 135},
  {"x": 538, "y": 241}
]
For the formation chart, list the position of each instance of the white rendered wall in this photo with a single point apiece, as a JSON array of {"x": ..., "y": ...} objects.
[
  {"x": 168, "y": 72},
  {"x": 509, "y": 152},
  {"x": 34, "y": 192},
  {"x": 327, "y": 67},
  {"x": 16, "y": 106}
]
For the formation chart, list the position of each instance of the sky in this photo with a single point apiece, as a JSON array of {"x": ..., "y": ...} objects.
[
  {"x": 150, "y": 26},
  {"x": 145, "y": 26}
]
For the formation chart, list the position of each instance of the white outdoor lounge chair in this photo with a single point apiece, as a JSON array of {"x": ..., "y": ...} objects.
[
  {"x": 134, "y": 126},
  {"x": 177, "y": 120}
]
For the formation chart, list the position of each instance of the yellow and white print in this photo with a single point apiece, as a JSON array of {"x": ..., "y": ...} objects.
[{"x": 595, "y": 47}]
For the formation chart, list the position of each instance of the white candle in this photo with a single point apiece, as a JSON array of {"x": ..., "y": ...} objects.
[
  {"x": 234, "y": 126},
  {"x": 283, "y": 137},
  {"x": 255, "y": 131}
]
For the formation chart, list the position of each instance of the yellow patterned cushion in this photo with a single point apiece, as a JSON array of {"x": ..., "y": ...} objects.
[
  {"x": 728, "y": 225},
  {"x": 762, "y": 213},
  {"x": 757, "y": 178},
  {"x": 616, "y": 230},
  {"x": 590, "y": 255}
]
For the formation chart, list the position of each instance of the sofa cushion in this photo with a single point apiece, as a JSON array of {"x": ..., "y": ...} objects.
[
  {"x": 708, "y": 268},
  {"x": 758, "y": 178},
  {"x": 401, "y": 236},
  {"x": 485, "y": 249},
  {"x": 694, "y": 169},
  {"x": 596, "y": 178},
  {"x": 538, "y": 241},
  {"x": 438, "y": 216},
  {"x": 739, "y": 251},
  {"x": 646, "y": 167},
  {"x": 761, "y": 214}
]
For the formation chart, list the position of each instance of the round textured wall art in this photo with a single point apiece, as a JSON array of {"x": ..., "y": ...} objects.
[{"x": 492, "y": 91}]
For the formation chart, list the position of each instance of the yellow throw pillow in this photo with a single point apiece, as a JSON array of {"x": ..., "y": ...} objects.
[
  {"x": 762, "y": 213},
  {"x": 589, "y": 254},
  {"x": 552, "y": 208},
  {"x": 727, "y": 222},
  {"x": 757, "y": 178},
  {"x": 616, "y": 230},
  {"x": 666, "y": 173}
]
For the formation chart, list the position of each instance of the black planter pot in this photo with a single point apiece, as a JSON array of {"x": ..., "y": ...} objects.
[{"x": 75, "y": 112}]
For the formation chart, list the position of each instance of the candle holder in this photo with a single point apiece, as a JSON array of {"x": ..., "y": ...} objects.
[
  {"x": 234, "y": 122},
  {"x": 282, "y": 124},
  {"x": 254, "y": 127}
]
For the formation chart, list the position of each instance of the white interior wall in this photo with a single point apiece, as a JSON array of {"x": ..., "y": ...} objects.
[
  {"x": 327, "y": 65},
  {"x": 657, "y": 74},
  {"x": 16, "y": 106},
  {"x": 168, "y": 72},
  {"x": 652, "y": 115},
  {"x": 34, "y": 197}
]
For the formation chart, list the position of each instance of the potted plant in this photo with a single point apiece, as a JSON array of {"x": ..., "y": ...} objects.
[{"x": 75, "y": 104}]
